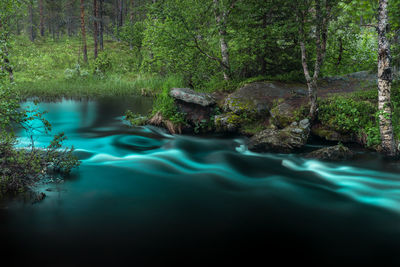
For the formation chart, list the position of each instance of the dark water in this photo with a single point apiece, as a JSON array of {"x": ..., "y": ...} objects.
[{"x": 143, "y": 197}]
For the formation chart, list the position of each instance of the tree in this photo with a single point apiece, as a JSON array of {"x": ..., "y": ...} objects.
[
  {"x": 83, "y": 31},
  {"x": 95, "y": 26},
  {"x": 322, "y": 10},
  {"x": 7, "y": 8},
  {"x": 385, "y": 82},
  {"x": 222, "y": 13},
  {"x": 101, "y": 26},
  {"x": 41, "y": 14},
  {"x": 31, "y": 26}
]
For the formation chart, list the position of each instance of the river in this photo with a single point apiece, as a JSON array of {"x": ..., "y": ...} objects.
[{"x": 145, "y": 197}]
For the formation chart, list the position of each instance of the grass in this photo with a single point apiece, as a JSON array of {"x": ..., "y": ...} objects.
[
  {"x": 91, "y": 87},
  {"x": 51, "y": 69}
]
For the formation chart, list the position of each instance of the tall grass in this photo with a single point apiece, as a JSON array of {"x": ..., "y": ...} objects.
[
  {"x": 92, "y": 87},
  {"x": 42, "y": 69}
]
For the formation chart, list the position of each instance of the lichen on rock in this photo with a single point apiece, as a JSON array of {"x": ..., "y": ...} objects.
[{"x": 283, "y": 141}]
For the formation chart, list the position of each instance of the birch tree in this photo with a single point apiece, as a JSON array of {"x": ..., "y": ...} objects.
[
  {"x": 385, "y": 82},
  {"x": 322, "y": 10}
]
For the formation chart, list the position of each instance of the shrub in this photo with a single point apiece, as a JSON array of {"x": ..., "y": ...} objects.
[
  {"x": 102, "y": 64},
  {"x": 350, "y": 116}
]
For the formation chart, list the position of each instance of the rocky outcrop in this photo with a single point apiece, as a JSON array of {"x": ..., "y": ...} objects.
[
  {"x": 289, "y": 110},
  {"x": 258, "y": 98},
  {"x": 197, "y": 108},
  {"x": 282, "y": 141},
  {"x": 333, "y": 153},
  {"x": 188, "y": 95}
]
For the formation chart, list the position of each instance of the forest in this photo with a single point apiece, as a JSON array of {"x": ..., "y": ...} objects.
[{"x": 140, "y": 110}]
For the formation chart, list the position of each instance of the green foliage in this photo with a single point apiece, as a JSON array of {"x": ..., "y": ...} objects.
[
  {"x": 133, "y": 34},
  {"x": 102, "y": 64},
  {"x": 165, "y": 104},
  {"x": 349, "y": 116},
  {"x": 135, "y": 119},
  {"x": 21, "y": 168}
]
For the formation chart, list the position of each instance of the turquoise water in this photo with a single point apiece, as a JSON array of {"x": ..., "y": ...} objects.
[{"x": 146, "y": 197}]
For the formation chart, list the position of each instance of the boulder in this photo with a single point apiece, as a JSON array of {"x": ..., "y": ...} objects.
[
  {"x": 288, "y": 110},
  {"x": 258, "y": 97},
  {"x": 188, "y": 95},
  {"x": 197, "y": 107},
  {"x": 333, "y": 153},
  {"x": 331, "y": 135},
  {"x": 227, "y": 122},
  {"x": 282, "y": 141}
]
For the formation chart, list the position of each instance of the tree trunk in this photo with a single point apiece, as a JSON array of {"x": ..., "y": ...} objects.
[
  {"x": 311, "y": 83},
  {"x": 321, "y": 30},
  {"x": 341, "y": 49},
  {"x": 220, "y": 18},
  {"x": 101, "y": 25},
  {"x": 70, "y": 18},
  {"x": 385, "y": 83},
  {"x": 121, "y": 13},
  {"x": 132, "y": 11},
  {"x": 41, "y": 18},
  {"x": 95, "y": 26},
  {"x": 31, "y": 27},
  {"x": 8, "y": 67},
  {"x": 116, "y": 18},
  {"x": 83, "y": 30}
]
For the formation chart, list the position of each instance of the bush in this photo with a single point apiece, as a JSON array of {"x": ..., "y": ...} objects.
[
  {"x": 102, "y": 64},
  {"x": 165, "y": 104},
  {"x": 349, "y": 116},
  {"x": 21, "y": 168}
]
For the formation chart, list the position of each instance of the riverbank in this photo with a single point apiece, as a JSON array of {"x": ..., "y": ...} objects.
[{"x": 273, "y": 114}]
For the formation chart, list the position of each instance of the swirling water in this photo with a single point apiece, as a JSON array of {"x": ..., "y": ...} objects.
[{"x": 146, "y": 197}]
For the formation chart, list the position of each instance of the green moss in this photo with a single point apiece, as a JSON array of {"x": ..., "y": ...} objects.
[
  {"x": 136, "y": 119},
  {"x": 234, "y": 119},
  {"x": 252, "y": 128}
]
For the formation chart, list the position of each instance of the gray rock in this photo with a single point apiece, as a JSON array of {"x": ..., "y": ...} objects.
[
  {"x": 190, "y": 96},
  {"x": 333, "y": 153},
  {"x": 258, "y": 97},
  {"x": 283, "y": 141},
  {"x": 304, "y": 124},
  {"x": 227, "y": 122}
]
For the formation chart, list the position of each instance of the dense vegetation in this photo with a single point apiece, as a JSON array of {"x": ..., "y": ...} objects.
[
  {"x": 20, "y": 168},
  {"x": 83, "y": 49},
  {"x": 143, "y": 42}
]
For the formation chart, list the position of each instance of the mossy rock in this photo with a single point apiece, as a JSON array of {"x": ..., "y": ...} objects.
[
  {"x": 227, "y": 122},
  {"x": 328, "y": 134},
  {"x": 333, "y": 153},
  {"x": 285, "y": 140}
]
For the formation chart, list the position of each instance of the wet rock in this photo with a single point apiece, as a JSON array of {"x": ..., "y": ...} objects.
[
  {"x": 333, "y": 153},
  {"x": 282, "y": 141},
  {"x": 188, "y": 95}
]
